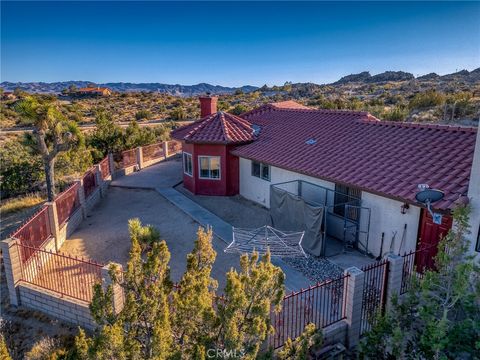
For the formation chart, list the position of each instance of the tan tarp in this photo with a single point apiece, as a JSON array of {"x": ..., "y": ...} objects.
[{"x": 291, "y": 213}]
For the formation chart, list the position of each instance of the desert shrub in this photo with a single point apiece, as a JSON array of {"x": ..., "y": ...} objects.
[
  {"x": 396, "y": 113},
  {"x": 426, "y": 100},
  {"x": 178, "y": 113},
  {"x": 43, "y": 349},
  {"x": 239, "y": 109},
  {"x": 4, "y": 354},
  {"x": 136, "y": 136},
  {"x": 107, "y": 137},
  {"x": 143, "y": 114},
  {"x": 299, "y": 349},
  {"x": 73, "y": 163},
  {"x": 21, "y": 171}
]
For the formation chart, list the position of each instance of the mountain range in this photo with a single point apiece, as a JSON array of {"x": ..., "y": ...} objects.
[{"x": 202, "y": 88}]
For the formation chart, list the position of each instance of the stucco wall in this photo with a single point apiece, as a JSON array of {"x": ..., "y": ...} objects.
[
  {"x": 386, "y": 217},
  {"x": 258, "y": 190},
  {"x": 474, "y": 196},
  {"x": 385, "y": 213}
]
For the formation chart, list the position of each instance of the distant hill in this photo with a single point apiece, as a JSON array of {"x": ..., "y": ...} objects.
[
  {"x": 387, "y": 76},
  {"x": 178, "y": 90},
  {"x": 364, "y": 77}
]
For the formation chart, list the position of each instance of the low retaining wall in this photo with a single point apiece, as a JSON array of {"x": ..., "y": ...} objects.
[
  {"x": 73, "y": 311},
  {"x": 335, "y": 333}
]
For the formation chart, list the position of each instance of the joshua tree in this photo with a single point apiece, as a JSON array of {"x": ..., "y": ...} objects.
[{"x": 52, "y": 133}]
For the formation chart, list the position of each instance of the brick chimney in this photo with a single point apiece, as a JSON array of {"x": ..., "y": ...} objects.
[{"x": 208, "y": 105}]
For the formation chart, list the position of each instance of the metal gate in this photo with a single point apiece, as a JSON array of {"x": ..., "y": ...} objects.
[{"x": 374, "y": 293}]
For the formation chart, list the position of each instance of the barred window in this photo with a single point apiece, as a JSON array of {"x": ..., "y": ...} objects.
[{"x": 344, "y": 195}]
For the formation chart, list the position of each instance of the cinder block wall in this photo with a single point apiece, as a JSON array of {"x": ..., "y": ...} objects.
[{"x": 51, "y": 303}]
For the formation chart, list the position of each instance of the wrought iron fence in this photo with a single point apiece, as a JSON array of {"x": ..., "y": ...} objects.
[
  {"x": 322, "y": 304},
  {"x": 60, "y": 273},
  {"x": 374, "y": 293},
  {"x": 410, "y": 269},
  {"x": 35, "y": 232},
  {"x": 174, "y": 147},
  {"x": 67, "y": 202},
  {"x": 89, "y": 182},
  {"x": 129, "y": 158},
  {"x": 105, "y": 168},
  {"x": 153, "y": 151}
]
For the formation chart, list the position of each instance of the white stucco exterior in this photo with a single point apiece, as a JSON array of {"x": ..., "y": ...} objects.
[
  {"x": 386, "y": 213},
  {"x": 474, "y": 197}
]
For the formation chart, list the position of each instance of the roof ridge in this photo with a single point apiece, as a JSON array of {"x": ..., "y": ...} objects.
[
  {"x": 405, "y": 124},
  {"x": 225, "y": 131},
  {"x": 271, "y": 107}
]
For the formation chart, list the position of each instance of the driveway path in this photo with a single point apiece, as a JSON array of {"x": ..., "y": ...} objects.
[{"x": 165, "y": 174}]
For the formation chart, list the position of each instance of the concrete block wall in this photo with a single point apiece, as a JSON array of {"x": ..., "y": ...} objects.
[
  {"x": 335, "y": 333},
  {"x": 75, "y": 220},
  {"x": 93, "y": 199},
  {"x": 68, "y": 309}
]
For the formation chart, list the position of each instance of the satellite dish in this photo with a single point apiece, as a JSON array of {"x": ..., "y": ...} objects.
[{"x": 428, "y": 196}]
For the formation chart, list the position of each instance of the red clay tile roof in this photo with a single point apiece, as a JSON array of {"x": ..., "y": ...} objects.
[
  {"x": 356, "y": 149},
  {"x": 93, "y": 89},
  {"x": 218, "y": 128},
  {"x": 289, "y": 104}
]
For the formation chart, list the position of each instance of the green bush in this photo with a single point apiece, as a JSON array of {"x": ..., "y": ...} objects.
[
  {"x": 21, "y": 172},
  {"x": 427, "y": 99},
  {"x": 143, "y": 114}
]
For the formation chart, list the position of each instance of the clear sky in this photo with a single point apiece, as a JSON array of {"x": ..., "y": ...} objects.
[{"x": 233, "y": 43}]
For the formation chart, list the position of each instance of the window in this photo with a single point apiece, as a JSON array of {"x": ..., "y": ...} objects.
[
  {"x": 209, "y": 167},
  {"x": 343, "y": 195},
  {"x": 261, "y": 170},
  {"x": 187, "y": 164}
]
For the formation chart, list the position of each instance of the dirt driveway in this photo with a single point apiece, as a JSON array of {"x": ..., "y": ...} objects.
[{"x": 103, "y": 236}]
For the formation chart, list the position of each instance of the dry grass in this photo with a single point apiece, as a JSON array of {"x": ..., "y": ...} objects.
[{"x": 20, "y": 203}]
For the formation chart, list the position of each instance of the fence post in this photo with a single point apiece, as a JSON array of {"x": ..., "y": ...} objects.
[
  {"x": 139, "y": 155},
  {"x": 13, "y": 268},
  {"x": 99, "y": 180},
  {"x": 53, "y": 223},
  {"x": 81, "y": 198},
  {"x": 395, "y": 274},
  {"x": 165, "y": 149},
  {"x": 353, "y": 306},
  {"x": 118, "y": 296},
  {"x": 111, "y": 165}
]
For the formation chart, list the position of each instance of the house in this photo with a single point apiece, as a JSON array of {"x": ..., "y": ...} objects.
[
  {"x": 364, "y": 172},
  {"x": 101, "y": 91},
  {"x": 8, "y": 95}
]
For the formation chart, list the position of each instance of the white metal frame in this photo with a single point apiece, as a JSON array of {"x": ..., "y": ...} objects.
[
  {"x": 209, "y": 170},
  {"x": 183, "y": 162},
  {"x": 262, "y": 165}
]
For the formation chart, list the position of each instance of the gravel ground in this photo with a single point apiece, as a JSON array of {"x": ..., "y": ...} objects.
[{"x": 314, "y": 268}]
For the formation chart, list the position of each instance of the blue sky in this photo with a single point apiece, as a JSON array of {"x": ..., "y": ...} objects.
[{"x": 233, "y": 43}]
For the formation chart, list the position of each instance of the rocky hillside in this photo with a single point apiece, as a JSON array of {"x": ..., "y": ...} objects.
[
  {"x": 363, "y": 78},
  {"x": 177, "y": 90}
]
